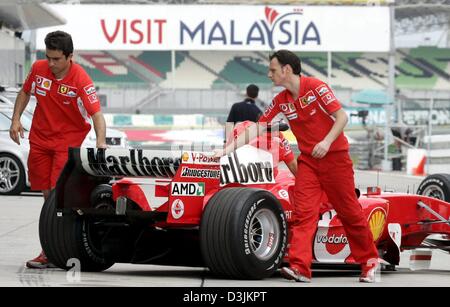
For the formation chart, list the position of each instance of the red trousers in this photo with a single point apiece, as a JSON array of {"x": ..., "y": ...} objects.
[
  {"x": 333, "y": 175},
  {"x": 45, "y": 166}
]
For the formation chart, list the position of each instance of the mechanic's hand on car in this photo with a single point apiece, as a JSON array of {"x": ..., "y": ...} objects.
[
  {"x": 219, "y": 152},
  {"x": 321, "y": 149},
  {"x": 15, "y": 130},
  {"x": 102, "y": 145}
]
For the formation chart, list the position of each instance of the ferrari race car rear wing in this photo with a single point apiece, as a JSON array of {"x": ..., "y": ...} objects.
[
  {"x": 86, "y": 168},
  {"x": 130, "y": 162}
]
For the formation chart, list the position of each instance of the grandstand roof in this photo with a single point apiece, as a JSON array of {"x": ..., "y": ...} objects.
[
  {"x": 413, "y": 8},
  {"x": 28, "y": 15}
]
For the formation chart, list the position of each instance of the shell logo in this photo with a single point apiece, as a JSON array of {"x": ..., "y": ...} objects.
[
  {"x": 185, "y": 156},
  {"x": 377, "y": 220}
]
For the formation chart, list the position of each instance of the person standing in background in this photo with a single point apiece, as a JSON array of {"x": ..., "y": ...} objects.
[{"x": 244, "y": 110}]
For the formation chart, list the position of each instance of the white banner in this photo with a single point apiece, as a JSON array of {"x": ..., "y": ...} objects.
[{"x": 224, "y": 27}]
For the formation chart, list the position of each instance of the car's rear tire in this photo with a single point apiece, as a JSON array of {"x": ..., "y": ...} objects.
[
  {"x": 436, "y": 186},
  {"x": 243, "y": 233},
  {"x": 12, "y": 175},
  {"x": 69, "y": 237}
]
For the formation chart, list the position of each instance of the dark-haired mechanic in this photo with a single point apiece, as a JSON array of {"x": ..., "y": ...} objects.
[{"x": 66, "y": 99}]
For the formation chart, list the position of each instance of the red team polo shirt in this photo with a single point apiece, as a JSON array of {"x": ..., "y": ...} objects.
[
  {"x": 309, "y": 115},
  {"x": 61, "y": 117}
]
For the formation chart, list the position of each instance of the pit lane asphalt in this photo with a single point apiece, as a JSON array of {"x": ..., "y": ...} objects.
[{"x": 19, "y": 242}]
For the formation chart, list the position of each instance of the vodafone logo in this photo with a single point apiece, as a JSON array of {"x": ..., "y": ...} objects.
[
  {"x": 331, "y": 243},
  {"x": 287, "y": 108},
  {"x": 328, "y": 98},
  {"x": 335, "y": 240},
  {"x": 177, "y": 209},
  {"x": 334, "y": 243}
]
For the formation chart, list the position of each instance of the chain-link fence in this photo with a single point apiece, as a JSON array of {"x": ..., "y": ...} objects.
[{"x": 422, "y": 129}]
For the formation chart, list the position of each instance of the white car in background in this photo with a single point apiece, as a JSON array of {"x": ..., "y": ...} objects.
[
  {"x": 13, "y": 158},
  {"x": 8, "y": 98}
]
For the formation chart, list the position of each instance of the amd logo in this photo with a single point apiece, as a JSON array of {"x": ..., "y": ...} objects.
[{"x": 188, "y": 189}]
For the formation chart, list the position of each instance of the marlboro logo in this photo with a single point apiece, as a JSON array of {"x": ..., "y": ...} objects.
[
  {"x": 247, "y": 165},
  {"x": 132, "y": 162}
]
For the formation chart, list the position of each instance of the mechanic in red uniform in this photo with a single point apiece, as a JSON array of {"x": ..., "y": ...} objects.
[
  {"x": 66, "y": 98},
  {"x": 274, "y": 142},
  {"x": 317, "y": 121}
]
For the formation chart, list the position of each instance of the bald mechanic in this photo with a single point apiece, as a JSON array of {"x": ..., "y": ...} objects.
[{"x": 317, "y": 120}]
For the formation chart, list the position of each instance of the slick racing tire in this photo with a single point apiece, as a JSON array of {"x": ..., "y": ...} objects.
[
  {"x": 12, "y": 175},
  {"x": 436, "y": 186},
  {"x": 70, "y": 239},
  {"x": 243, "y": 233}
]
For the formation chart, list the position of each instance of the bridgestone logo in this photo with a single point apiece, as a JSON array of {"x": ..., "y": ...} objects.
[
  {"x": 200, "y": 173},
  {"x": 247, "y": 226},
  {"x": 87, "y": 246},
  {"x": 439, "y": 182},
  {"x": 283, "y": 243}
]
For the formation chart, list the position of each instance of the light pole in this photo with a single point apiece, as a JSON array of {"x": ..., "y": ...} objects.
[{"x": 386, "y": 166}]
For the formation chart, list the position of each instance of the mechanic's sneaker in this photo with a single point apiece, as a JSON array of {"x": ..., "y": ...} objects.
[
  {"x": 369, "y": 273},
  {"x": 40, "y": 262},
  {"x": 293, "y": 274}
]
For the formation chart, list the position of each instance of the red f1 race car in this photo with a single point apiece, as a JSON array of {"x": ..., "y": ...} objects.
[{"x": 231, "y": 215}]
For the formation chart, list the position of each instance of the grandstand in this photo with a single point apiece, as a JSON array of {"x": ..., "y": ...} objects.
[
  {"x": 156, "y": 64},
  {"x": 426, "y": 68},
  {"x": 104, "y": 68}
]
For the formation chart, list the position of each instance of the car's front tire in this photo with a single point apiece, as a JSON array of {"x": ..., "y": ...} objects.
[
  {"x": 243, "y": 233},
  {"x": 436, "y": 186}
]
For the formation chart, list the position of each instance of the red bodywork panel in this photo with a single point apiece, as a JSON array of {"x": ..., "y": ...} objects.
[{"x": 185, "y": 196}]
